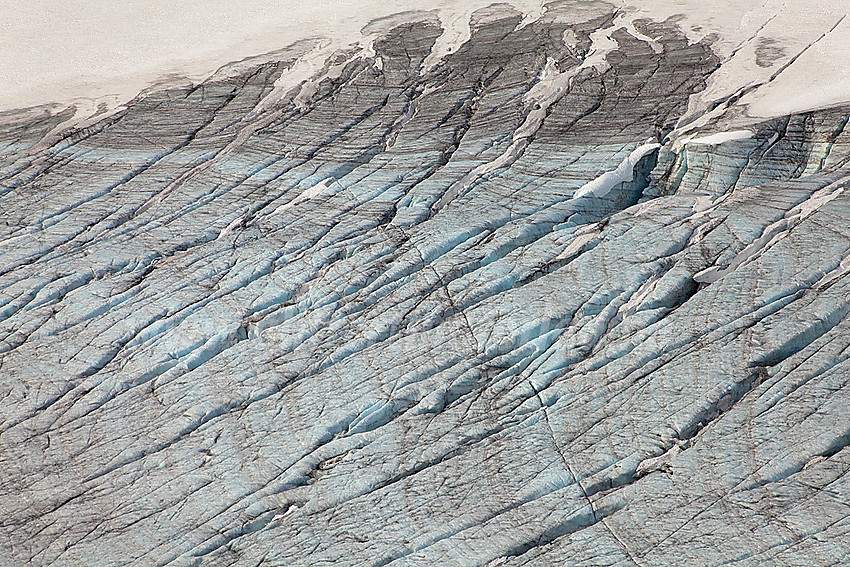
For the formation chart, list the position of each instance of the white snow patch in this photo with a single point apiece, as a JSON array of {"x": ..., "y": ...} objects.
[
  {"x": 456, "y": 32},
  {"x": 579, "y": 243},
  {"x": 550, "y": 88},
  {"x": 306, "y": 195},
  {"x": 554, "y": 83},
  {"x": 624, "y": 173},
  {"x": 704, "y": 205},
  {"x": 311, "y": 85},
  {"x": 86, "y": 113},
  {"x": 654, "y": 44},
  {"x": 234, "y": 224},
  {"x": 819, "y": 78},
  {"x": 532, "y": 15},
  {"x": 601, "y": 45},
  {"x": 719, "y": 138},
  {"x": 77, "y": 50},
  {"x": 59, "y": 52},
  {"x": 661, "y": 462},
  {"x": 570, "y": 38},
  {"x": 299, "y": 73},
  {"x": 685, "y": 125}
]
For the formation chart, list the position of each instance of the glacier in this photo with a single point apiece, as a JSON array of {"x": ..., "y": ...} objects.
[{"x": 482, "y": 295}]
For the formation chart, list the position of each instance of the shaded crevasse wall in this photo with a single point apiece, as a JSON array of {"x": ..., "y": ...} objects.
[{"x": 777, "y": 149}]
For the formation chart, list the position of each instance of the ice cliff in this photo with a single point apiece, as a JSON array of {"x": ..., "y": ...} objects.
[{"x": 493, "y": 304}]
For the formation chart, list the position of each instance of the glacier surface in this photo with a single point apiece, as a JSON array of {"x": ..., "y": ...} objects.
[{"x": 500, "y": 305}]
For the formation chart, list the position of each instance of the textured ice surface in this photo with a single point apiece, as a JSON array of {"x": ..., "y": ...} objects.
[{"x": 243, "y": 327}]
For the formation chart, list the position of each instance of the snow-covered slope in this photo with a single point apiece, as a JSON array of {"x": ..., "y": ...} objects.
[
  {"x": 502, "y": 288},
  {"x": 782, "y": 56}
]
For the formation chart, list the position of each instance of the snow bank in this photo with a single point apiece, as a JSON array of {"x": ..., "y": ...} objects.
[
  {"x": 720, "y": 138},
  {"x": 624, "y": 173}
]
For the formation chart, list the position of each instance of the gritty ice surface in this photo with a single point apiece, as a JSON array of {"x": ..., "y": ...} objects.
[{"x": 396, "y": 315}]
